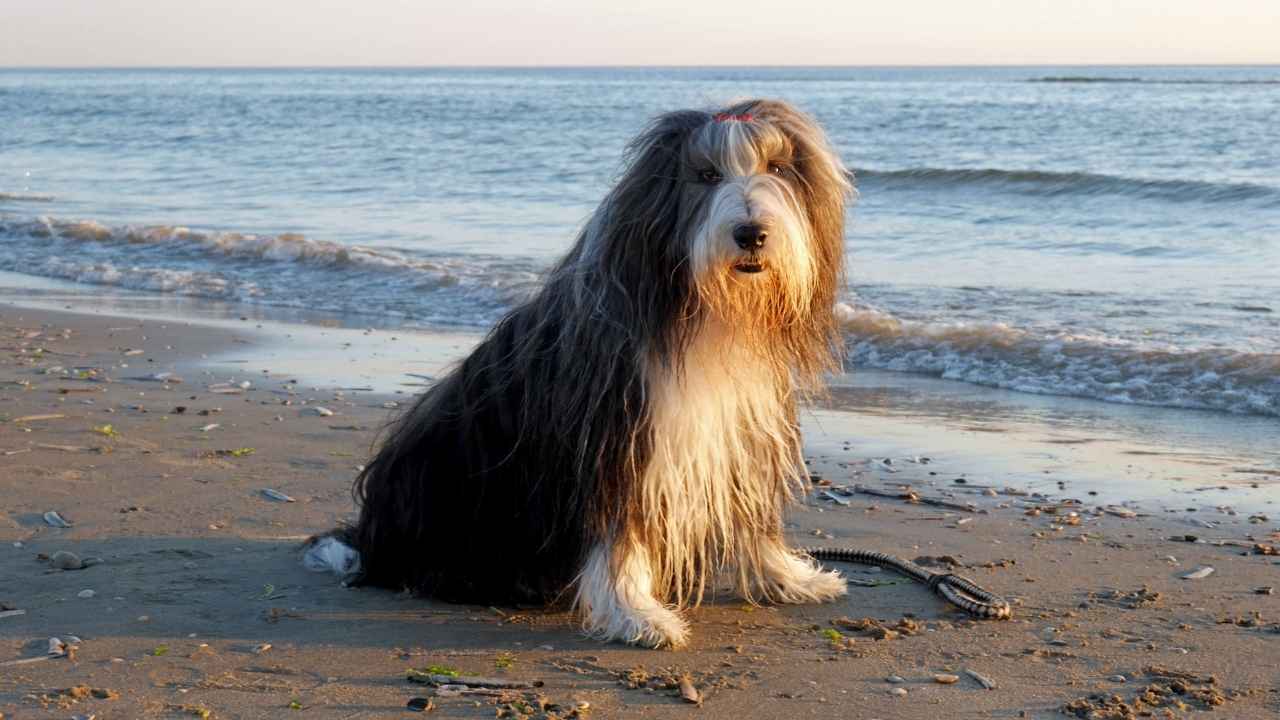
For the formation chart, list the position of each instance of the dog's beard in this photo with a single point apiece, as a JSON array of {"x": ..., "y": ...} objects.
[{"x": 759, "y": 291}]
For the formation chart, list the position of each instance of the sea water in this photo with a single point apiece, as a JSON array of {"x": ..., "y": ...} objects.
[{"x": 1105, "y": 233}]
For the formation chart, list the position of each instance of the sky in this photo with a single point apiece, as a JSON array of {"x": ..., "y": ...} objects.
[{"x": 665, "y": 32}]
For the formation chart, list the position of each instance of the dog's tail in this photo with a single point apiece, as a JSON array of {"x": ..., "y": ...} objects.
[{"x": 332, "y": 552}]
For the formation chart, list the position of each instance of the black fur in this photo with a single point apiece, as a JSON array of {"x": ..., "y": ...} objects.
[{"x": 495, "y": 483}]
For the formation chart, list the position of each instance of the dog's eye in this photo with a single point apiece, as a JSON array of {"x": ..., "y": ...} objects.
[
  {"x": 777, "y": 168},
  {"x": 709, "y": 176}
]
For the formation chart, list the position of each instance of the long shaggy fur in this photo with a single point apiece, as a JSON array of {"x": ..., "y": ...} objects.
[{"x": 628, "y": 437}]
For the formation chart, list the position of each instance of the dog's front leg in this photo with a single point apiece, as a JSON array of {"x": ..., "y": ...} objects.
[
  {"x": 616, "y": 598},
  {"x": 789, "y": 577}
]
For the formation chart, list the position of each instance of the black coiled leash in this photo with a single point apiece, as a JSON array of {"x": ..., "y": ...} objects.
[{"x": 959, "y": 591}]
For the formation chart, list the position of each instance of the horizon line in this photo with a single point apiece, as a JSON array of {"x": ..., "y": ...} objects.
[{"x": 1275, "y": 64}]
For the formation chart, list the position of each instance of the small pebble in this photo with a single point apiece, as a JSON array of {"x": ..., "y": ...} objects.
[
  {"x": 86, "y": 594},
  {"x": 895, "y": 679},
  {"x": 946, "y": 679},
  {"x": 898, "y": 692},
  {"x": 689, "y": 692},
  {"x": 65, "y": 560},
  {"x": 1199, "y": 574},
  {"x": 317, "y": 410},
  {"x": 1265, "y": 590},
  {"x": 1117, "y": 678}
]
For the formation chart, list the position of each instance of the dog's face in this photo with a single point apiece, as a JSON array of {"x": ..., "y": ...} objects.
[
  {"x": 746, "y": 204},
  {"x": 741, "y": 174}
]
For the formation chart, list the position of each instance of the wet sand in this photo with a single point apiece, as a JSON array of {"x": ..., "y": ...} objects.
[{"x": 198, "y": 603}]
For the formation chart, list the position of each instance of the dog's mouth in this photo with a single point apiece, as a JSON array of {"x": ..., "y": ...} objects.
[{"x": 750, "y": 267}]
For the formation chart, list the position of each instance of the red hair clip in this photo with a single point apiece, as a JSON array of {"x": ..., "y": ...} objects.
[{"x": 728, "y": 117}]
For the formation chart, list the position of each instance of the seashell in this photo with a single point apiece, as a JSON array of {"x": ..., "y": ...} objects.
[{"x": 55, "y": 520}]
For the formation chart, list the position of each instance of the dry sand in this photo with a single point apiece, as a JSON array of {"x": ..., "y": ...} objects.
[{"x": 199, "y": 605}]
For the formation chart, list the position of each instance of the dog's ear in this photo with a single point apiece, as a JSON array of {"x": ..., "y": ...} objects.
[
  {"x": 634, "y": 235},
  {"x": 824, "y": 183},
  {"x": 642, "y": 212}
]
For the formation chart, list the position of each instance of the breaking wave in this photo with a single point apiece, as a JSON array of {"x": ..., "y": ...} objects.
[
  {"x": 473, "y": 291},
  {"x": 1039, "y": 182},
  {"x": 1101, "y": 368},
  {"x": 1085, "y": 79},
  {"x": 25, "y": 197},
  {"x": 287, "y": 270}
]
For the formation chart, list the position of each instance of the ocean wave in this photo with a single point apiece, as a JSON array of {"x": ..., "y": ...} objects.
[
  {"x": 286, "y": 270},
  {"x": 286, "y": 247},
  {"x": 25, "y": 197},
  {"x": 1049, "y": 183},
  {"x": 1100, "y": 368},
  {"x": 471, "y": 291},
  {"x": 1151, "y": 81}
]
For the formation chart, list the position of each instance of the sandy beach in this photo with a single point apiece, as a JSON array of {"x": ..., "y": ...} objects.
[{"x": 154, "y": 441}]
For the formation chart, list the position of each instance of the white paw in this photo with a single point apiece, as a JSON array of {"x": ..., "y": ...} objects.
[
  {"x": 618, "y": 604},
  {"x": 654, "y": 626},
  {"x": 661, "y": 628}
]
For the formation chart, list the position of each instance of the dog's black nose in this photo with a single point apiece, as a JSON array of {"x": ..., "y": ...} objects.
[{"x": 750, "y": 236}]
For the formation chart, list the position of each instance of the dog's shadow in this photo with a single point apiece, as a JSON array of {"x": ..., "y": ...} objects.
[
  {"x": 237, "y": 589},
  {"x": 256, "y": 590},
  {"x": 235, "y": 618}
]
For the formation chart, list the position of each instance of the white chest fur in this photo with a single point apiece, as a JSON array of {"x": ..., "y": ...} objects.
[{"x": 724, "y": 456}]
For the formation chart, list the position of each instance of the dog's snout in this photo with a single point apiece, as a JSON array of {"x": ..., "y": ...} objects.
[{"x": 750, "y": 236}]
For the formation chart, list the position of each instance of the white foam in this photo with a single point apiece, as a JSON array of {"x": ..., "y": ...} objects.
[
  {"x": 1082, "y": 365},
  {"x": 25, "y": 197},
  {"x": 286, "y": 247},
  {"x": 287, "y": 270}
]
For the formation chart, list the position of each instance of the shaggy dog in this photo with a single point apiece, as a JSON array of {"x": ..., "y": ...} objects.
[{"x": 629, "y": 436}]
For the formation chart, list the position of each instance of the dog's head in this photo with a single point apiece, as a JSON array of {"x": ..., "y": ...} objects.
[{"x": 743, "y": 205}]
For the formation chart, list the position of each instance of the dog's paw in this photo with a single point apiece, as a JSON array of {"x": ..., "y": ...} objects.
[
  {"x": 655, "y": 626},
  {"x": 663, "y": 630}
]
